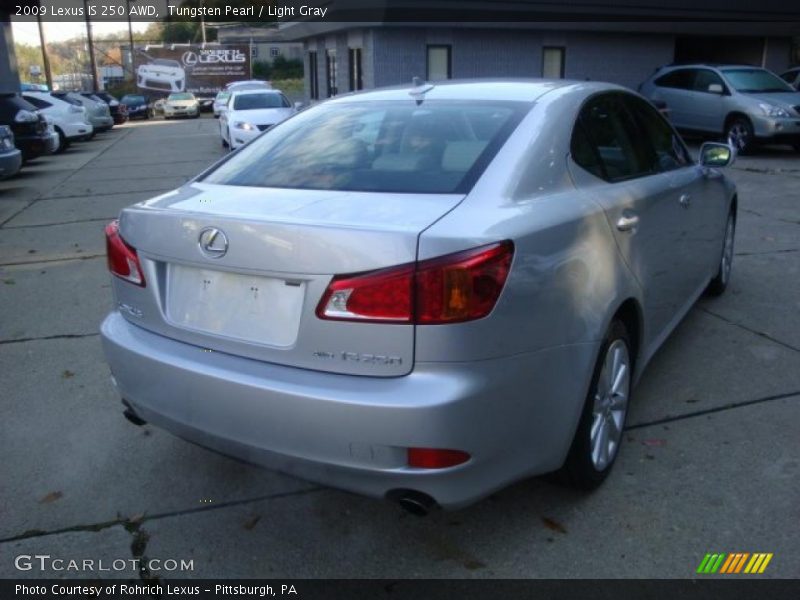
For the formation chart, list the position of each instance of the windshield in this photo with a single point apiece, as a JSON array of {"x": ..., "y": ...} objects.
[
  {"x": 754, "y": 81},
  {"x": 254, "y": 101},
  {"x": 183, "y": 96},
  {"x": 437, "y": 147},
  {"x": 133, "y": 100}
]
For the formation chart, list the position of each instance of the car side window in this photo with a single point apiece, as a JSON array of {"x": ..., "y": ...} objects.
[
  {"x": 616, "y": 139},
  {"x": 37, "y": 102},
  {"x": 679, "y": 79},
  {"x": 670, "y": 152},
  {"x": 704, "y": 78}
]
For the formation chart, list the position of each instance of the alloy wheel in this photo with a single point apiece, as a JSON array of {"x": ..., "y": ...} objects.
[{"x": 610, "y": 404}]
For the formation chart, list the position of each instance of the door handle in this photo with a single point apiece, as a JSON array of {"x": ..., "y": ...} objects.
[
  {"x": 685, "y": 200},
  {"x": 627, "y": 222}
]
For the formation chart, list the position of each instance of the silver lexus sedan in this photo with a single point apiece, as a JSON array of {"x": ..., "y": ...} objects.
[{"x": 421, "y": 293}]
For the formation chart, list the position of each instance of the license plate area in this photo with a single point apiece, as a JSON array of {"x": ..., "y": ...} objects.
[{"x": 251, "y": 308}]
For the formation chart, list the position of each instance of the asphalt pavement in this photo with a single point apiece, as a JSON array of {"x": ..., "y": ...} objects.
[{"x": 710, "y": 462}]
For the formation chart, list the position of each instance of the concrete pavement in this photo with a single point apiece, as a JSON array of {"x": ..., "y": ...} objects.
[{"x": 711, "y": 461}]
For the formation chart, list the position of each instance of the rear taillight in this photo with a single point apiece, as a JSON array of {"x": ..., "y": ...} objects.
[
  {"x": 122, "y": 259},
  {"x": 449, "y": 289}
]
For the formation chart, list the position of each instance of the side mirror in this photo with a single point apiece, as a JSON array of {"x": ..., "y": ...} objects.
[
  {"x": 713, "y": 154},
  {"x": 298, "y": 106},
  {"x": 715, "y": 88}
]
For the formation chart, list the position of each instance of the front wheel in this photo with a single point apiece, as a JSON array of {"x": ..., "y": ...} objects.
[
  {"x": 719, "y": 284},
  {"x": 599, "y": 434},
  {"x": 739, "y": 134}
]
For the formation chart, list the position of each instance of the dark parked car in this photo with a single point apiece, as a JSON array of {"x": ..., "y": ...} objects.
[
  {"x": 10, "y": 156},
  {"x": 119, "y": 111},
  {"x": 206, "y": 103},
  {"x": 29, "y": 127},
  {"x": 138, "y": 106}
]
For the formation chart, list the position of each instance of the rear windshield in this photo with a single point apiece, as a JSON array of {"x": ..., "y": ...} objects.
[
  {"x": 255, "y": 101},
  {"x": 133, "y": 99},
  {"x": 436, "y": 147},
  {"x": 754, "y": 81}
]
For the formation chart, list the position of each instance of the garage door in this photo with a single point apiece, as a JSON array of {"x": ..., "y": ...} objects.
[{"x": 722, "y": 49}]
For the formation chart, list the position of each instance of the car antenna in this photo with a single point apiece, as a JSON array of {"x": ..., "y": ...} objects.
[{"x": 419, "y": 90}]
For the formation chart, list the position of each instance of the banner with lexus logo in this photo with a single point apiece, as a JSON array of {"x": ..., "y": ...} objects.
[{"x": 203, "y": 70}]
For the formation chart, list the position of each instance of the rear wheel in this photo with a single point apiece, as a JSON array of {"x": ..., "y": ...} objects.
[
  {"x": 739, "y": 134},
  {"x": 62, "y": 141},
  {"x": 599, "y": 434},
  {"x": 720, "y": 282}
]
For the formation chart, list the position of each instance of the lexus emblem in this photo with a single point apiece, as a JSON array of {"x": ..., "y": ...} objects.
[{"x": 213, "y": 242}]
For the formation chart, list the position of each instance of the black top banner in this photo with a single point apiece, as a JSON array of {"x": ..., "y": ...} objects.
[{"x": 402, "y": 11}]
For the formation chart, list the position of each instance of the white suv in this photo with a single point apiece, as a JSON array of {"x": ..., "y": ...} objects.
[{"x": 69, "y": 119}]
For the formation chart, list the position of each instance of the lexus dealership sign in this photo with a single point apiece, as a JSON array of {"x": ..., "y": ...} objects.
[{"x": 188, "y": 68}]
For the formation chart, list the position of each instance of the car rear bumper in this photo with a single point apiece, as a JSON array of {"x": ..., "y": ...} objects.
[
  {"x": 76, "y": 130},
  {"x": 515, "y": 416},
  {"x": 10, "y": 163}
]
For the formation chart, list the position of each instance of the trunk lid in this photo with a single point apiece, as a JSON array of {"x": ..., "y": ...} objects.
[{"x": 253, "y": 289}]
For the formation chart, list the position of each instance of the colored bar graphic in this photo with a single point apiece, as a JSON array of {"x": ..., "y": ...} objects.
[{"x": 729, "y": 564}]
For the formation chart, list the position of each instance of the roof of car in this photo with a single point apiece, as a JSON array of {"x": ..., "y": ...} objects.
[
  {"x": 520, "y": 90},
  {"x": 253, "y": 91}
]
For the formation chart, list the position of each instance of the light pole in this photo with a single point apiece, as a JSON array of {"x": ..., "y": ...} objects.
[
  {"x": 45, "y": 59},
  {"x": 91, "y": 45},
  {"x": 130, "y": 39}
]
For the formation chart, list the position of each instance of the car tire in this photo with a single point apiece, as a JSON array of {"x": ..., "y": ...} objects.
[
  {"x": 596, "y": 444},
  {"x": 796, "y": 146},
  {"x": 739, "y": 134},
  {"x": 62, "y": 141},
  {"x": 719, "y": 284}
]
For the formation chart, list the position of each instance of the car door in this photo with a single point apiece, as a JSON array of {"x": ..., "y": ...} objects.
[
  {"x": 707, "y": 107},
  {"x": 674, "y": 88},
  {"x": 643, "y": 209},
  {"x": 701, "y": 201}
]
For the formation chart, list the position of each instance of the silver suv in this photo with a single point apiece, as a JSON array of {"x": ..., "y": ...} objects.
[{"x": 744, "y": 104}]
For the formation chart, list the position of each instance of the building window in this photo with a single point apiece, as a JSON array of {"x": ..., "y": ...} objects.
[
  {"x": 274, "y": 51},
  {"x": 253, "y": 51},
  {"x": 313, "y": 76},
  {"x": 356, "y": 82},
  {"x": 440, "y": 63},
  {"x": 553, "y": 62},
  {"x": 332, "y": 72}
]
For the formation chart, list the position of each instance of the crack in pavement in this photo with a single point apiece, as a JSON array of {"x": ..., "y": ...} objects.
[
  {"x": 135, "y": 524},
  {"x": 750, "y": 211},
  {"x": 785, "y": 251},
  {"x": 708, "y": 411},
  {"x": 92, "y": 220},
  {"x": 750, "y": 330},
  {"x": 64, "y": 336},
  {"x": 52, "y": 260}
]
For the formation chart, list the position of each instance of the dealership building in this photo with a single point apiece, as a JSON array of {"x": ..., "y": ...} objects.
[{"x": 342, "y": 57}]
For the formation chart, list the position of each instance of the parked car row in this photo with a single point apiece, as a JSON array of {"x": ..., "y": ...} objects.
[
  {"x": 744, "y": 105},
  {"x": 37, "y": 121}
]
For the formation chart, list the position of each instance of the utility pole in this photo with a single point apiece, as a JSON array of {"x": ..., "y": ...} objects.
[
  {"x": 91, "y": 45},
  {"x": 45, "y": 59},
  {"x": 130, "y": 39}
]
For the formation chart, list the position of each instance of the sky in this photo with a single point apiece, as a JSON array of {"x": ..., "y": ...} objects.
[{"x": 28, "y": 33}]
